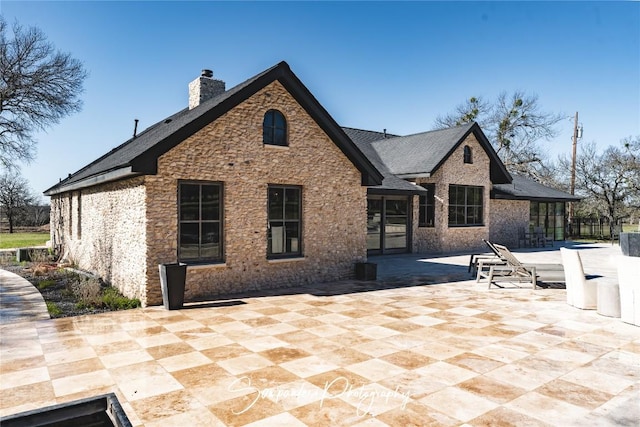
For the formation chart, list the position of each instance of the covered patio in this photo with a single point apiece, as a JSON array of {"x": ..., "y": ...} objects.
[{"x": 423, "y": 345}]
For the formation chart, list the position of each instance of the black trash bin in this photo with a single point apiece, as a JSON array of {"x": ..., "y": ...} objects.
[{"x": 172, "y": 279}]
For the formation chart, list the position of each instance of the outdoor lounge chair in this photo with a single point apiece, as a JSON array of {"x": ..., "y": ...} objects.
[
  {"x": 487, "y": 259},
  {"x": 581, "y": 293},
  {"x": 515, "y": 271},
  {"x": 512, "y": 270}
]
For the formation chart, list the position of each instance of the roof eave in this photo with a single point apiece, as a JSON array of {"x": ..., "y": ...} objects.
[
  {"x": 414, "y": 175},
  {"x": 392, "y": 191},
  {"x": 102, "y": 178},
  {"x": 504, "y": 196}
]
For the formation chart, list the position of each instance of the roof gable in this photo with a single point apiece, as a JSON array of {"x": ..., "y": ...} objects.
[
  {"x": 139, "y": 155},
  {"x": 423, "y": 153}
]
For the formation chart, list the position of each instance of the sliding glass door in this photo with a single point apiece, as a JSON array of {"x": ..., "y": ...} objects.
[{"x": 388, "y": 224}]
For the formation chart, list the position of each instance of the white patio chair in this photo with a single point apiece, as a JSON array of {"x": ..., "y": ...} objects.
[
  {"x": 629, "y": 279},
  {"x": 581, "y": 293}
]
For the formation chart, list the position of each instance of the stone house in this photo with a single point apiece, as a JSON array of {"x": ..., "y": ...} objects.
[
  {"x": 258, "y": 187},
  {"x": 446, "y": 190}
]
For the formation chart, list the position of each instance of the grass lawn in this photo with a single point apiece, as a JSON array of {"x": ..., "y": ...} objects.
[{"x": 21, "y": 240}]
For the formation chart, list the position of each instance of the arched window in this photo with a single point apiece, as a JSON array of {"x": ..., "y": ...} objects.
[
  {"x": 467, "y": 154},
  {"x": 274, "y": 128}
]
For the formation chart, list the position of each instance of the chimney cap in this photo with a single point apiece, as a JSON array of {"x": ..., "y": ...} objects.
[{"x": 207, "y": 73}]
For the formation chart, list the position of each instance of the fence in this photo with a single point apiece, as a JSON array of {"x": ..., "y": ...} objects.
[{"x": 594, "y": 228}]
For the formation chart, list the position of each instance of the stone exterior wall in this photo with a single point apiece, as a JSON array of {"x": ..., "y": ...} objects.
[
  {"x": 231, "y": 151},
  {"x": 101, "y": 229},
  {"x": 507, "y": 217},
  {"x": 443, "y": 238}
]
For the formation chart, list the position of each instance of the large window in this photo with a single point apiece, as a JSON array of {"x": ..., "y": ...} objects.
[
  {"x": 284, "y": 236},
  {"x": 427, "y": 208},
  {"x": 200, "y": 211},
  {"x": 274, "y": 128},
  {"x": 465, "y": 205}
]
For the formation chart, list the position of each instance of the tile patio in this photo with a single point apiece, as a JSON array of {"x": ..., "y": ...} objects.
[{"x": 412, "y": 350}]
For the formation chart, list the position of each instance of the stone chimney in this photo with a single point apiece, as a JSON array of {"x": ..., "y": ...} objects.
[{"x": 203, "y": 88}]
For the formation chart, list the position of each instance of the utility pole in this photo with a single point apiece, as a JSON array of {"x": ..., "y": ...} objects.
[{"x": 573, "y": 170}]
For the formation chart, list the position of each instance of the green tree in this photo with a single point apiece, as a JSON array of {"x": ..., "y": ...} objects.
[
  {"x": 514, "y": 123},
  {"x": 38, "y": 87}
]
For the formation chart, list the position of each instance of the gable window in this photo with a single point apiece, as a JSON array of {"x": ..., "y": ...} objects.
[
  {"x": 427, "y": 207},
  {"x": 274, "y": 128},
  {"x": 465, "y": 205},
  {"x": 284, "y": 238},
  {"x": 200, "y": 210},
  {"x": 467, "y": 155}
]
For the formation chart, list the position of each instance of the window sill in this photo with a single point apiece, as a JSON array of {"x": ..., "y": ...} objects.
[
  {"x": 205, "y": 266},
  {"x": 275, "y": 147},
  {"x": 468, "y": 226},
  {"x": 283, "y": 260}
]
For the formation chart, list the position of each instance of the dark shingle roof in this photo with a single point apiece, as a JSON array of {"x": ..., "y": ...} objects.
[
  {"x": 140, "y": 154},
  {"x": 522, "y": 188},
  {"x": 423, "y": 153},
  {"x": 419, "y": 153},
  {"x": 390, "y": 183}
]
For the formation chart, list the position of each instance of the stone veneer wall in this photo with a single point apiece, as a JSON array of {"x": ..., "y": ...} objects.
[
  {"x": 231, "y": 151},
  {"x": 507, "y": 217},
  {"x": 101, "y": 229},
  {"x": 443, "y": 238}
]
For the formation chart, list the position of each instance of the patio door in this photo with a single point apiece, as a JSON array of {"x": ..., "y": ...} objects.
[{"x": 388, "y": 224}]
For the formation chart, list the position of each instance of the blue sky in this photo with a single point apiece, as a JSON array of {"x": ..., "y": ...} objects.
[{"x": 373, "y": 65}]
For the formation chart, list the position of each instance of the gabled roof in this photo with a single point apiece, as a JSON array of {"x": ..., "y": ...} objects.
[
  {"x": 390, "y": 183},
  {"x": 421, "y": 154},
  {"x": 139, "y": 155},
  {"x": 522, "y": 188}
]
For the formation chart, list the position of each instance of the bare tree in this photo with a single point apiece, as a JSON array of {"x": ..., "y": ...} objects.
[
  {"x": 514, "y": 124},
  {"x": 38, "y": 87},
  {"x": 15, "y": 196},
  {"x": 610, "y": 179}
]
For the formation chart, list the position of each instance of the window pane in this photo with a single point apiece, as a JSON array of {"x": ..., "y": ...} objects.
[
  {"x": 275, "y": 237},
  {"x": 292, "y": 203},
  {"x": 422, "y": 215},
  {"x": 276, "y": 206},
  {"x": 396, "y": 207},
  {"x": 292, "y": 233},
  {"x": 374, "y": 206},
  {"x": 395, "y": 233},
  {"x": 210, "y": 202},
  {"x": 476, "y": 196},
  {"x": 280, "y": 137},
  {"x": 268, "y": 119},
  {"x": 210, "y": 247},
  {"x": 431, "y": 216},
  {"x": 459, "y": 195},
  {"x": 278, "y": 120},
  {"x": 189, "y": 240},
  {"x": 189, "y": 202}
]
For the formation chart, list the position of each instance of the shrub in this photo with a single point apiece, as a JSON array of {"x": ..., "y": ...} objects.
[
  {"x": 44, "y": 284},
  {"x": 112, "y": 299},
  {"x": 87, "y": 290},
  {"x": 53, "y": 309}
]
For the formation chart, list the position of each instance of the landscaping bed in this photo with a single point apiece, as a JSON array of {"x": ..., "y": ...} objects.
[{"x": 70, "y": 293}]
